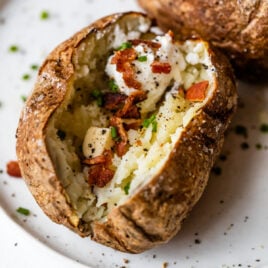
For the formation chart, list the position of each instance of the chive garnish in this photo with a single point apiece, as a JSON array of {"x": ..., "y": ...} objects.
[
  {"x": 13, "y": 48},
  {"x": 146, "y": 123},
  {"x": 142, "y": 58},
  {"x": 114, "y": 132},
  {"x": 23, "y": 98},
  {"x": 23, "y": 211},
  {"x": 26, "y": 77},
  {"x": 98, "y": 96},
  {"x": 113, "y": 86},
  {"x": 34, "y": 67},
  {"x": 126, "y": 188},
  {"x": 124, "y": 46},
  {"x": 44, "y": 15}
]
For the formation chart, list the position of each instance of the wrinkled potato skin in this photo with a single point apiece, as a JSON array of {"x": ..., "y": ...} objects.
[
  {"x": 154, "y": 214},
  {"x": 239, "y": 28}
]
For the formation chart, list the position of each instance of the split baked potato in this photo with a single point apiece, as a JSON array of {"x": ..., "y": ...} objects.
[
  {"x": 239, "y": 28},
  {"x": 118, "y": 138}
]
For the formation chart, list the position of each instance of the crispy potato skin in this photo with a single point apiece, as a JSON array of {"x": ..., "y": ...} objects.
[
  {"x": 154, "y": 214},
  {"x": 239, "y": 28},
  {"x": 49, "y": 92}
]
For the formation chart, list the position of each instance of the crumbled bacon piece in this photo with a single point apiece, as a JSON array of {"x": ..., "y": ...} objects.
[
  {"x": 161, "y": 67},
  {"x": 121, "y": 146},
  {"x": 99, "y": 172},
  {"x": 13, "y": 169},
  {"x": 151, "y": 44},
  {"x": 132, "y": 112},
  {"x": 114, "y": 101},
  {"x": 123, "y": 59},
  {"x": 99, "y": 175},
  {"x": 100, "y": 159},
  {"x": 197, "y": 92},
  {"x": 171, "y": 34}
]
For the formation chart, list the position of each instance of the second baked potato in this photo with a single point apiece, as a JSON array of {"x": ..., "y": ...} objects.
[{"x": 239, "y": 28}]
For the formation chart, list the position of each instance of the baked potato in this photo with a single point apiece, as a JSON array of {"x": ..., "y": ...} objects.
[
  {"x": 239, "y": 28},
  {"x": 119, "y": 135}
]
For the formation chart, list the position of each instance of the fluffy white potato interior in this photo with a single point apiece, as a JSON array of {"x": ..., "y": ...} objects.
[{"x": 149, "y": 148}]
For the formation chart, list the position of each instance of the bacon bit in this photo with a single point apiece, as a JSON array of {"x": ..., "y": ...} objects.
[
  {"x": 123, "y": 59},
  {"x": 160, "y": 67},
  {"x": 181, "y": 92},
  {"x": 139, "y": 143},
  {"x": 100, "y": 175},
  {"x": 120, "y": 146},
  {"x": 197, "y": 92},
  {"x": 132, "y": 112},
  {"x": 129, "y": 77},
  {"x": 127, "y": 105},
  {"x": 100, "y": 159},
  {"x": 151, "y": 44},
  {"x": 171, "y": 34},
  {"x": 132, "y": 125},
  {"x": 13, "y": 169},
  {"x": 114, "y": 101}
]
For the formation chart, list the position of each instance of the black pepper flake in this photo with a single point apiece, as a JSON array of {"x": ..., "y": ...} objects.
[
  {"x": 257, "y": 260},
  {"x": 154, "y": 256},
  {"x": 15, "y": 244},
  {"x": 223, "y": 157},
  {"x": 197, "y": 241},
  {"x": 217, "y": 170},
  {"x": 61, "y": 134},
  {"x": 1, "y": 171},
  {"x": 221, "y": 201},
  {"x": 258, "y": 146},
  {"x": 126, "y": 260},
  {"x": 241, "y": 130},
  {"x": 156, "y": 84},
  {"x": 103, "y": 131},
  {"x": 244, "y": 146},
  {"x": 93, "y": 150}
]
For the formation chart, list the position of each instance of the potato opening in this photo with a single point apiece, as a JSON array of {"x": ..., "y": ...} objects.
[{"x": 168, "y": 106}]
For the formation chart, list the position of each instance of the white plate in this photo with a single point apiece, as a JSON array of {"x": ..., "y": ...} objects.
[{"x": 228, "y": 227}]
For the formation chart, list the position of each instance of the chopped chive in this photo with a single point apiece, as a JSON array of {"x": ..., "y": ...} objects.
[
  {"x": 96, "y": 93},
  {"x": 146, "y": 123},
  {"x": 124, "y": 46},
  {"x": 264, "y": 128},
  {"x": 34, "y": 67},
  {"x": 23, "y": 211},
  {"x": 26, "y": 77},
  {"x": 99, "y": 101},
  {"x": 142, "y": 58},
  {"x": 151, "y": 120},
  {"x": 61, "y": 134},
  {"x": 44, "y": 15},
  {"x": 13, "y": 48},
  {"x": 126, "y": 188},
  {"x": 154, "y": 125},
  {"x": 113, "y": 86},
  {"x": 114, "y": 132},
  {"x": 98, "y": 96},
  {"x": 23, "y": 98}
]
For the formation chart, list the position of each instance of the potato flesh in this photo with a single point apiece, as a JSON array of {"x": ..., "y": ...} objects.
[{"x": 136, "y": 166}]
